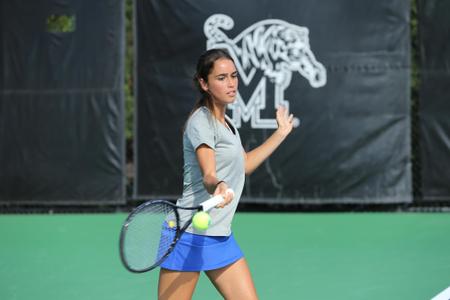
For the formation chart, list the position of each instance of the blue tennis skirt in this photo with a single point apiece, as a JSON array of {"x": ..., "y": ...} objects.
[{"x": 195, "y": 252}]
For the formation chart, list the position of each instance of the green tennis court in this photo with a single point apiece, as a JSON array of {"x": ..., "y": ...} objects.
[{"x": 292, "y": 256}]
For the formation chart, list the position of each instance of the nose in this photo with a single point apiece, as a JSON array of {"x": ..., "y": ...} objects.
[{"x": 231, "y": 81}]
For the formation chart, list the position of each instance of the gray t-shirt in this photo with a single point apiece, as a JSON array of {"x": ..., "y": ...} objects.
[{"x": 203, "y": 128}]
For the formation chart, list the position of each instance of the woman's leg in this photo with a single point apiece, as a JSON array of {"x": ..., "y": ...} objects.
[
  {"x": 234, "y": 281},
  {"x": 176, "y": 285}
]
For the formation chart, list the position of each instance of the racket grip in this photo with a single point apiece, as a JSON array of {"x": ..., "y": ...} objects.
[{"x": 209, "y": 204}]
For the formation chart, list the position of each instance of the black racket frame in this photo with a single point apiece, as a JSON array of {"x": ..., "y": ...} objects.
[{"x": 178, "y": 233}]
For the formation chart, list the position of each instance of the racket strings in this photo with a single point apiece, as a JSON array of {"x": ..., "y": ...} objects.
[{"x": 150, "y": 234}]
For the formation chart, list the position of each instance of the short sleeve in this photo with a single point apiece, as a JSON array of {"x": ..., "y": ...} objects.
[{"x": 200, "y": 129}]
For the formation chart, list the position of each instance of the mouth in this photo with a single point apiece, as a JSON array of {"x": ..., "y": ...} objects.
[{"x": 231, "y": 93}]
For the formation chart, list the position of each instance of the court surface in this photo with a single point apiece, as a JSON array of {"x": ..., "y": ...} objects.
[{"x": 360, "y": 256}]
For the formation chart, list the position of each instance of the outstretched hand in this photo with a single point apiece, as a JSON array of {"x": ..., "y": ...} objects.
[{"x": 285, "y": 121}]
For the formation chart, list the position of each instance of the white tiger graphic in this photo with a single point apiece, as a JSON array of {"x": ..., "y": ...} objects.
[{"x": 275, "y": 47}]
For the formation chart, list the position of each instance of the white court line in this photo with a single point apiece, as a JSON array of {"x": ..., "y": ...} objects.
[{"x": 444, "y": 295}]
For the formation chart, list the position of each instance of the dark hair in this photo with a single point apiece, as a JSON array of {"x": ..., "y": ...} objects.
[{"x": 205, "y": 65}]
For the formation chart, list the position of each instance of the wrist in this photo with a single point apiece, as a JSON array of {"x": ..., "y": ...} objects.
[
  {"x": 282, "y": 134},
  {"x": 220, "y": 182}
]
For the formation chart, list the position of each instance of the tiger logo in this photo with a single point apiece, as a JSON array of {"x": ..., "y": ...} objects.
[{"x": 274, "y": 47}]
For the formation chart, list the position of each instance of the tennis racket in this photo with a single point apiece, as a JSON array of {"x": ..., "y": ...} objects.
[{"x": 152, "y": 230}]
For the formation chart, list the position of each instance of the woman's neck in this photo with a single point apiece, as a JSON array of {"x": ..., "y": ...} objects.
[{"x": 219, "y": 112}]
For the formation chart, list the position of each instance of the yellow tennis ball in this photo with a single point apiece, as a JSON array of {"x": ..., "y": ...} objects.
[
  {"x": 201, "y": 220},
  {"x": 172, "y": 224}
]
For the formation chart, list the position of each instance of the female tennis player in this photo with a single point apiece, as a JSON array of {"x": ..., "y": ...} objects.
[{"x": 214, "y": 160}]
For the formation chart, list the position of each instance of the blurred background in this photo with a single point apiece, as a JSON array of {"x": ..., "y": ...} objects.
[{"x": 94, "y": 96}]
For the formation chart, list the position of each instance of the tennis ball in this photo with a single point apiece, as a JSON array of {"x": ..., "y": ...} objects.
[
  {"x": 172, "y": 224},
  {"x": 201, "y": 220}
]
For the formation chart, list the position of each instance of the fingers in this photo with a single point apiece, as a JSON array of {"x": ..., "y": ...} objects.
[
  {"x": 283, "y": 116},
  {"x": 282, "y": 112},
  {"x": 228, "y": 196},
  {"x": 290, "y": 118},
  {"x": 285, "y": 120}
]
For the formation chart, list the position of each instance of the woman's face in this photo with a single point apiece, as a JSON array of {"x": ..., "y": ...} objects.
[{"x": 222, "y": 82}]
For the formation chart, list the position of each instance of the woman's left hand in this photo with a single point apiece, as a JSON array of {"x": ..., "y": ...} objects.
[{"x": 285, "y": 121}]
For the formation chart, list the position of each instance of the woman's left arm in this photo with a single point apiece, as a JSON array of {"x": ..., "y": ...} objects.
[{"x": 255, "y": 157}]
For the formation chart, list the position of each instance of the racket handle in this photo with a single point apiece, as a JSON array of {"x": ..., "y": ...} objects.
[{"x": 209, "y": 204}]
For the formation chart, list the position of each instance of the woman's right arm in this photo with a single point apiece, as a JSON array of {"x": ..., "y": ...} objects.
[{"x": 207, "y": 162}]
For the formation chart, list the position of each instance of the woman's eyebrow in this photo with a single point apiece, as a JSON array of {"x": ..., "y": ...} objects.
[{"x": 225, "y": 74}]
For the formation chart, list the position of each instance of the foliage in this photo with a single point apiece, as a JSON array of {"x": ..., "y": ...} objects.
[
  {"x": 415, "y": 84},
  {"x": 415, "y": 57},
  {"x": 129, "y": 70},
  {"x": 61, "y": 23}
]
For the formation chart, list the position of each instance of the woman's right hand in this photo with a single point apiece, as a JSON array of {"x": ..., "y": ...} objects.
[{"x": 223, "y": 189}]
